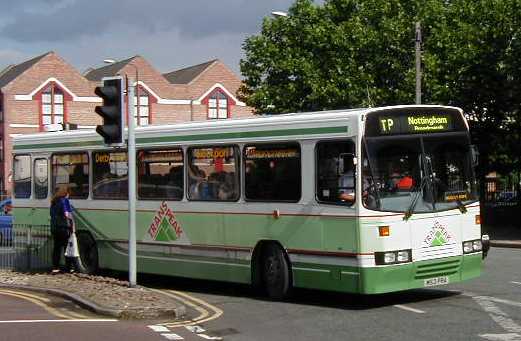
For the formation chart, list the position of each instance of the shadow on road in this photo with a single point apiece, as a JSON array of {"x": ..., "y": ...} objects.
[{"x": 299, "y": 296}]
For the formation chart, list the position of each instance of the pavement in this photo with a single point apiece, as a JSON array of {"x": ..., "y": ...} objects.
[
  {"x": 101, "y": 295},
  {"x": 506, "y": 236}
]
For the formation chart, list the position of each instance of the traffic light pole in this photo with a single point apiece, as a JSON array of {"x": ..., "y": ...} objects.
[{"x": 131, "y": 144}]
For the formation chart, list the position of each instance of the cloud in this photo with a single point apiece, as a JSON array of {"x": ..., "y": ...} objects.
[
  {"x": 170, "y": 34},
  {"x": 69, "y": 20}
]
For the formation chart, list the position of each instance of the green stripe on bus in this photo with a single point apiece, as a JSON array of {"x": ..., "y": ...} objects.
[
  {"x": 59, "y": 145},
  {"x": 216, "y": 136},
  {"x": 245, "y": 134}
]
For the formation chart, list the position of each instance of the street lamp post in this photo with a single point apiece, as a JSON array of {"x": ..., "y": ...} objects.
[
  {"x": 418, "y": 44},
  {"x": 131, "y": 150},
  {"x": 279, "y": 14}
]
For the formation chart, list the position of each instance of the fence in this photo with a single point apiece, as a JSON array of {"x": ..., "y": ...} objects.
[{"x": 26, "y": 248}]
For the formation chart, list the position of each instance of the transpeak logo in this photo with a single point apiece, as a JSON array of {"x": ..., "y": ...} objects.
[{"x": 438, "y": 236}]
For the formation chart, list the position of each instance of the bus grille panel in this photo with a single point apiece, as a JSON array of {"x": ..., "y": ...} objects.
[{"x": 444, "y": 268}]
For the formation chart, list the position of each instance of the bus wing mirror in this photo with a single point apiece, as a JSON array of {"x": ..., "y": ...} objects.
[{"x": 474, "y": 152}]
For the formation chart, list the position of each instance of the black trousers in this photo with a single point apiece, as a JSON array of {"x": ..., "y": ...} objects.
[{"x": 60, "y": 238}]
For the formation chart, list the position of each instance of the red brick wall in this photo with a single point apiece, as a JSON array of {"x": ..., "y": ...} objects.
[{"x": 51, "y": 66}]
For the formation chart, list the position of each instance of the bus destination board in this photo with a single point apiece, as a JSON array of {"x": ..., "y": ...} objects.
[{"x": 415, "y": 124}]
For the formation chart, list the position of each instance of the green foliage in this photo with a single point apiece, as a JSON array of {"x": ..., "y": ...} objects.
[{"x": 359, "y": 53}]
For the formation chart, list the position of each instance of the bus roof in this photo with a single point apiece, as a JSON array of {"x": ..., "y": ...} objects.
[{"x": 334, "y": 123}]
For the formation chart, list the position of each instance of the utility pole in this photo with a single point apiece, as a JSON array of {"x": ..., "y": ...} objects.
[
  {"x": 131, "y": 144},
  {"x": 418, "y": 45}
]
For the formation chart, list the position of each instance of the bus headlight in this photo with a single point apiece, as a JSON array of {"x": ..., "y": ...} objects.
[
  {"x": 392, "y": 257},
  {"x": 403, "y": 256},
  {"x": 389, "y": 257},
  {"x": 477, "y": 246},
  {"x": 472, "y": 246}
]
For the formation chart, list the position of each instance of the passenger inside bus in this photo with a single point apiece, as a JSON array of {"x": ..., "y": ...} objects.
[{"x": 399, "y": 181}]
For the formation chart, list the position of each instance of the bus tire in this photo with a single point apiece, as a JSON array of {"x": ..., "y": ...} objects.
[
  {"x": 276, "y": 274},
  {"x": 88, "y": 253}
]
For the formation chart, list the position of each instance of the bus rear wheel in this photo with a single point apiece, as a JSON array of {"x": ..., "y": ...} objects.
[
  {"x": 276, "y": 274},
  {"x": 88, "y": 252}
]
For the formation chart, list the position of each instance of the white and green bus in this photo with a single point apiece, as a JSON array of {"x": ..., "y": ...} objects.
[{"x": 364, "y": 201}]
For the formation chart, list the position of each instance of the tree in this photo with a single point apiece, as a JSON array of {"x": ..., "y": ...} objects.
[
  {"x": 472, "y": 60},
  {"x": 342, "y": 54},
  {"x": 359, "y": 53}
]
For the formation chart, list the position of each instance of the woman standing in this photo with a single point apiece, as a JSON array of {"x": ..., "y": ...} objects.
[{"x": 62, "y": 226}]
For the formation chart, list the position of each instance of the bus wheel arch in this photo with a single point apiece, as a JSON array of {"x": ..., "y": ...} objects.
[
  {"x": 88, "y": 252},
  {"x": 271, "y": 269}
]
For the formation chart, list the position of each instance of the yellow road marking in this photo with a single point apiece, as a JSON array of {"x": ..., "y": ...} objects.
[
  {"x": 203, "y": 312},
  {"x": 23, "y": 293},
  {"x": 188, "y": 300},
  {"x": 71, "y": 314},
  {"x": 76, "y": 315},
  {"x": 50, "y": 310}
]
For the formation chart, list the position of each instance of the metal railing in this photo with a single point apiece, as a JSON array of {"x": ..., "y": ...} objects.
[{"x": 26, "y": 248}]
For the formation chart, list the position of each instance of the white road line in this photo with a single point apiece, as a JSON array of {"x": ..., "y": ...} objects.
[
  {"x": 514, "y": 282},
  {"x": 195, "y": 329},
  {"x": 404, "y": 307},
  {"x": 208, "y": 337},
  {"x": 58, "y": 321},
  {"x": 498, "y": 315},
  {"x": 172, "y": 336},
  {"x": 159, "y": 329},
  {"x": 501, "y": 337},
  {"x": 499, "y": 300}
]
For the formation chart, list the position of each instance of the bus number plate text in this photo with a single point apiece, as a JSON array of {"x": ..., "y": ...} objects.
[{"x": 436, "y": 281}]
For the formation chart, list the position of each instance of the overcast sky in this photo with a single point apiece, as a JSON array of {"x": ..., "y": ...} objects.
[{"x": 170, "y": 34}]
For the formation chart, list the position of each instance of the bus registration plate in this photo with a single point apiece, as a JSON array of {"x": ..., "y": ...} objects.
[{"x": 436, "y": 281}]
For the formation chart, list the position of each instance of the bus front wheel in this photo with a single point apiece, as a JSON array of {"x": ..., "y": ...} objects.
[
  {"x": 276, "y": 274},
  {"x": 88, "y": 252}
]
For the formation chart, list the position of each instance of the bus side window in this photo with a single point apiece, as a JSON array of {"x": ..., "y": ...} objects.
[
  {"x": 22, "y": 176},
  {"x": 71, "y": 169},
  {"x": 336, "y": 172},
  {"x": 41, "y": 178},
  {"x": 273, "y": 172},
  {"x": 160, "y": 174},
  {"x": 213, "y": 173},
  {"x": 109, "y": 175}
]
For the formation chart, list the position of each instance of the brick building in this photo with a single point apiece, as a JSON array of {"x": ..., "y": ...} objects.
[{"x": 47, "y": 90}]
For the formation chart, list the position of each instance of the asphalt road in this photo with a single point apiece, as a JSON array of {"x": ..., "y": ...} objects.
[
  {"x": 487, "y": 308},
  {"x": 29, "y": 316}
]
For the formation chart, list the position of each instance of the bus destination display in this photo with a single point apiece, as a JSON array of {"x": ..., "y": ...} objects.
[{"x": 415, "y": 124}]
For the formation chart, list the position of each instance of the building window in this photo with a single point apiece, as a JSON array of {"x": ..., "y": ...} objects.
[
  {"x": 142, "y": 108},
  {"x": 52, "y": 105},
  {"x": 217, "y": 105}
]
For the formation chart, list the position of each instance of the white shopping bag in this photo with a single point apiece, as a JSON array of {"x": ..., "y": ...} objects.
[{"x": 72, "y": 247}]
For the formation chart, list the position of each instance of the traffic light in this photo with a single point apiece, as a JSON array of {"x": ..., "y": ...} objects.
[{"x": 111, "y": 111}]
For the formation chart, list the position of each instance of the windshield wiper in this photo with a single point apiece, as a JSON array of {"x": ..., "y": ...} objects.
[
  {"x": 461, "y": 207},
  {"x": 416, "y": 196}
]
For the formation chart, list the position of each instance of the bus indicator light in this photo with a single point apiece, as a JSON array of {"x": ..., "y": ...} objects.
[
  {"x": 384, "y": 231},
  {"x": 478, "y": 219}
]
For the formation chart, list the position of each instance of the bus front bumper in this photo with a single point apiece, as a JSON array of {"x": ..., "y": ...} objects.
[{"x": 421, "y": 274}]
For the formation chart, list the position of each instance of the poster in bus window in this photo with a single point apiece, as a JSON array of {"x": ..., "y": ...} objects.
[{"x": 40, "y": 171}]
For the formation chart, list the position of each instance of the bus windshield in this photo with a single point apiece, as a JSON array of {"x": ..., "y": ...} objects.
[{"x": 420, "y": 173}]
